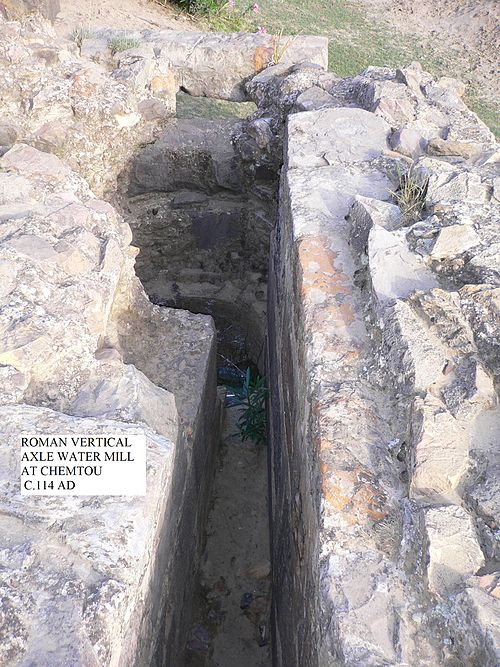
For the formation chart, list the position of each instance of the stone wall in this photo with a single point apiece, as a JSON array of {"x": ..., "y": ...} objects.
[
  {"x": 216, "y": 64},
  {"x": 102, "y": 580},
  {"x": 203, "y": 234},
  {"x": 93, "y": 116},
  {"x": 202, "y": 202},
  {"x": 383, "y": 405},
  {"x": 383, "y": 344}
]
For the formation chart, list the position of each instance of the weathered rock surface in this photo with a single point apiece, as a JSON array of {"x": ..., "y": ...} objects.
[
  {"x": 101, "y": 581},
  {"x": 218, "y": 64},
  {"x": 17, "y": 9},
  {"x": 454, "y": 552},
  {"x": 383, "y": 345},
  {"x": 91, "y": 116}
]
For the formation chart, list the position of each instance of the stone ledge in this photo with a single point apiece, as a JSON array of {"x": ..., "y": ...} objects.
[
  {"x": 218, "y": 64},
  {"x": 100, "y": 580}
]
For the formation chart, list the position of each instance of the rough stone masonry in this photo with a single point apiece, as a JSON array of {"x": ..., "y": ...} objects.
[{"x": 383, "y": 352}]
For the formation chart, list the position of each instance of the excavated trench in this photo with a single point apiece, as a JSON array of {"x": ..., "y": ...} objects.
[{"x": 202, "y": 219}]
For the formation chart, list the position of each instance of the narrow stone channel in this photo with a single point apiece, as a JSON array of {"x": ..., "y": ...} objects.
[
  {"x": 231, "y": 616},
  {"x": 201, "y": 217}
]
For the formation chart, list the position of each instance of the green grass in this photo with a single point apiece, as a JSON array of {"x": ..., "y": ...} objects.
[
  {"x": 118, "y": 44},
  {"x": 81, "y": 33},
  {"x": 204, "y": 107},
  {"x": 357, "y": 41},
  {"x": 488, "y": 113}
]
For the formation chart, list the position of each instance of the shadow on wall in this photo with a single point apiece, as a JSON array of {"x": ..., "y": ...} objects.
[{"x": 202, "y": 225}]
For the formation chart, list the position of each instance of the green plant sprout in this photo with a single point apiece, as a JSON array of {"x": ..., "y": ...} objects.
[
  {"x": 123, "y": 44},
  {"x": 410, "y": 194}
]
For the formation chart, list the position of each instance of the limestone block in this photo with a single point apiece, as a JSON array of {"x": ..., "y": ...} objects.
[
  {"x": 415, "y": 353},
  {"x": 444, "y": 96},
  {"x": 464, "y": 149},
  {"x": 409, "y": 142},
  {"x": 395, "y": 112},
  {"x": 313, "y": 98},
  {"x": 366, "y": 596},
  {"x": 126, "y": 394},
  {"x": 454, "y": 85},
  {"x": 413, "y": 76},
  {"x": 454, "y": 551},
  {"x": 31, "y": 163},
  {"x": 377, "y": 83},
  {"x": 454, "y": 240},
  {"x": 365, "y": 213},
  {"x": 441, "y": 453},
  {"x": 458, "y": 186},
  {"x": 326, "y": 137},
  {"x": 218, "y": 64},
  {"x": 100, "y": 568},
  {"x": 395, "y": 270},
  {"x": 137, "y": 74}
]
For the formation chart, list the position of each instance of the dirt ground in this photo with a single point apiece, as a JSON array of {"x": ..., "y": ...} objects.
[
  {"x": 231, "y": 624},
  {"x": 461, "y": 37},
  {"x": 133, "y": 14},
  {"x": 469, "y": 29}
]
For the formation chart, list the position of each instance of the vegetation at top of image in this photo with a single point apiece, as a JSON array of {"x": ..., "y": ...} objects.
[
  {"x": 356, "y": 41},
  {"x": 224, "y": 15},
  {"x": 118, "y": 44},
  {"x": 410, "y": 195}
]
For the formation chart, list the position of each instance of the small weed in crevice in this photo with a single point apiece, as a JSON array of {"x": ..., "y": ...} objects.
[
  {"x": 410, "y": 195},
  {"x": 118, "y": 44},
  {"x": 79, "y": 34},
  {"x": 280, "y": 47}
]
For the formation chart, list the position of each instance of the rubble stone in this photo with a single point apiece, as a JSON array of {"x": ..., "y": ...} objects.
[{"x": 454, "y": 552}]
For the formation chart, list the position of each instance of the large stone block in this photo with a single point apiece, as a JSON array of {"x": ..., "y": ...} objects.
[
  {"x": 334, "y": 136},
  {"x": 219, "y": 64},
  {"x": 454, "y": 551},
  {"x": 395, "y": 270},
  {"x": 67, "y": 592},
  {"x": 16, "y": 9}
]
